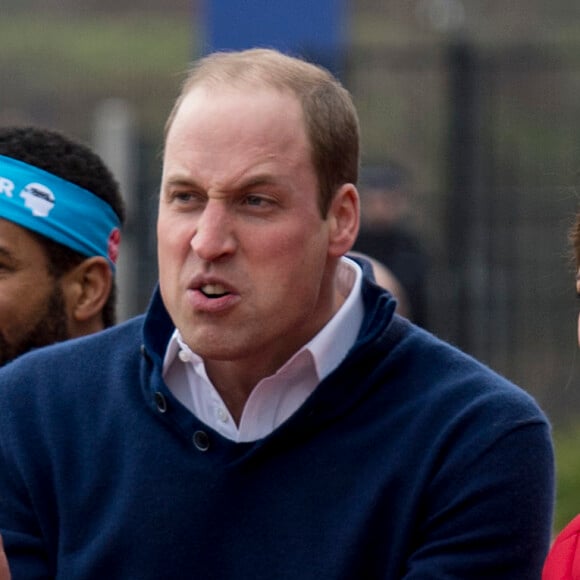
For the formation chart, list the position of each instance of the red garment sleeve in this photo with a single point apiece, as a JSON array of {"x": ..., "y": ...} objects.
[{"x": 563, "y": 561}]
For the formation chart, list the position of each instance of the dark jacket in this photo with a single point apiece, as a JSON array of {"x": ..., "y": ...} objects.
[{"x": 411, "y": 460}]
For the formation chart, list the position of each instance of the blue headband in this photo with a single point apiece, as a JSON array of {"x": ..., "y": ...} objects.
[{"x": 58, "y": 209}]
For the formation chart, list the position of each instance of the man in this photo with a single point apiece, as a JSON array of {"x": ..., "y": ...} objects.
[
  {"x": 60, "y": 214},
  {"x": 269, "y": 416}
]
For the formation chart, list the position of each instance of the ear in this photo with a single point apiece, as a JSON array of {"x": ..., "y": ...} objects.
[
  {"x": 86, "y": 289},
  {"x": 344, "y": 218}
]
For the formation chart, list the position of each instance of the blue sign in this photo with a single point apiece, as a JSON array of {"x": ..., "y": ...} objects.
[{"x": 312, "y": 29}]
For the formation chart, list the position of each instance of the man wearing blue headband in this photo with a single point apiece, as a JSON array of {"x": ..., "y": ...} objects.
[
  {"x": 60, "y": 217},
  {"x": 270, "y": 416}
]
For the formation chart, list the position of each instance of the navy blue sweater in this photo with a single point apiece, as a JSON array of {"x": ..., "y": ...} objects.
[{"x": 411, "y": 460}]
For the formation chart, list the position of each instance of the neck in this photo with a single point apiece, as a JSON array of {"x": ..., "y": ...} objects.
[
  {"x": 236, "y": 379},
  {"x": 91, "y": 325},
  {"x": 235, "y": 382}
]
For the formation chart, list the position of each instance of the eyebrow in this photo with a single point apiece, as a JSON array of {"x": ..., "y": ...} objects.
[
  {"x": 182, "y": 181},
  {"x": 242, "y": 183},
  {"x": 257, "y": 180}
]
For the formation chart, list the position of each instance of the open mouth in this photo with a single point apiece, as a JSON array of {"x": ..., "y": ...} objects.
[{"x": 213, "y": 291}]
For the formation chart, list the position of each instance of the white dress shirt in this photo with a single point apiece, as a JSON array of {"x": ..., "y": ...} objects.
[{"x": 276, "y": 397}]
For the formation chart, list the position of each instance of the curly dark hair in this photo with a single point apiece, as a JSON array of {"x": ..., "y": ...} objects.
[{"x": 71, "y": 160}]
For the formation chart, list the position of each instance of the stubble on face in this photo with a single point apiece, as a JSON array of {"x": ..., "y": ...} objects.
[{"x": 50, "y": 328}]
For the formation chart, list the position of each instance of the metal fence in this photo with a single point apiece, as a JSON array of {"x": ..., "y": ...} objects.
[{"x": 493, "y": 141}]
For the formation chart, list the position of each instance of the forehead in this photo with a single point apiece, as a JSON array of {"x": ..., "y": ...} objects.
[
  {"x": 215, "y": 124},
  {"x": 251, "y": 107}
]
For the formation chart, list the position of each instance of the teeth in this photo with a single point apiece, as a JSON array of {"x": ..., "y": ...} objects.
[{"x": 213, "y": 289}]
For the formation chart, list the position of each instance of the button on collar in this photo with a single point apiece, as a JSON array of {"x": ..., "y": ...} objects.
[
  {"x": 184, "y": 356},
  {"x": 222, "y": 415}
]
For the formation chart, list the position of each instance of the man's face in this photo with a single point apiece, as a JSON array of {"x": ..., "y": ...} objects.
[
  {"x": 245, "y": 259},
  {"x": 32, "y": 308}
]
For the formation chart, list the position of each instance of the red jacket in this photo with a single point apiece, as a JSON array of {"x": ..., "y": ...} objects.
[{"x": 563, "y": 561}]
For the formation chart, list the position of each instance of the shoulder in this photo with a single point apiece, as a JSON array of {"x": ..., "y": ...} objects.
[
  {"x": 72, "y": 387},
  {"x": 60, "y": 362},
  {"x": 429, "y": 373}
]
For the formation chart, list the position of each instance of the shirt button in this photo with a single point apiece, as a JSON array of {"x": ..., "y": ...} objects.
[
  {"x": 201, "y": 440},
  {"x": 184, "y": 356},
  {"x": 222, "y": 415}
]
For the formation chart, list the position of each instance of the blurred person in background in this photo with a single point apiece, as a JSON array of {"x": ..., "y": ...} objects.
[
  {"x": 385, "y": 278},
  {"x": 563, "y": 561},
  {"x": 387, "y": 235},
  {"x": 269, "y": 416},
  {"x": 60, "y": 217}
]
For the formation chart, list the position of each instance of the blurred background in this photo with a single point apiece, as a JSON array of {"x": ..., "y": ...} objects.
[{"x": 470, "y": 113}]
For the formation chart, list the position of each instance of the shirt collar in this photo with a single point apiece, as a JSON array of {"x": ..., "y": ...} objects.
[{"x": 332, "y": 343}]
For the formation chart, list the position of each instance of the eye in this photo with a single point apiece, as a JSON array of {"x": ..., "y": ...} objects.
[
  {"x": 259, "y": 202},
  {"x": 255, "y": 200},
  {"x": 184, "y": 196},
  {"x": 186, "y": 199},
  {"x": 6, "y": 267}
]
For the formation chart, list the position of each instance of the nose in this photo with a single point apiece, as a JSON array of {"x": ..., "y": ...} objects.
[{"x": 213, "y": 237}]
